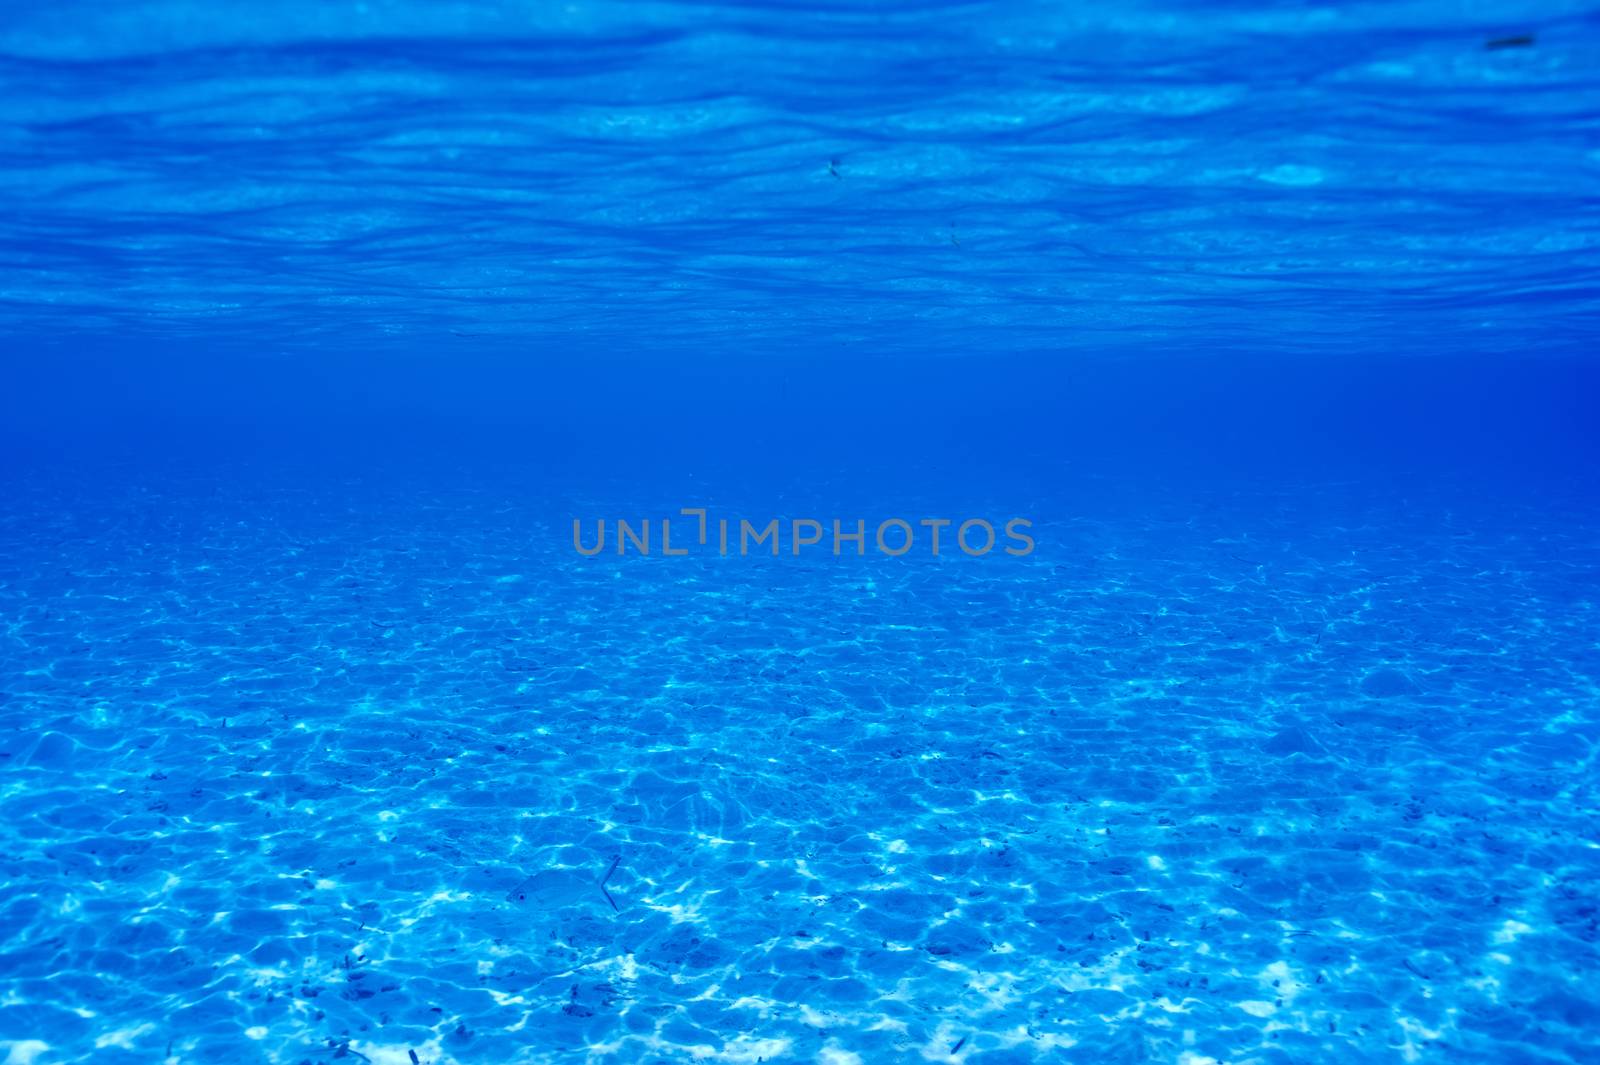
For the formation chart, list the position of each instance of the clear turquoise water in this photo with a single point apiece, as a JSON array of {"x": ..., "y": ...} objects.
[{"x": 320, "y": 742}]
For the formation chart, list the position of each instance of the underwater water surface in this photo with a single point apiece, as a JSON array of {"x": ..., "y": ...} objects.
[{"x": 334, "y": 335}]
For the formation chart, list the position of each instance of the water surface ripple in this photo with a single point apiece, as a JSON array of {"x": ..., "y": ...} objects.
[{"x": 940, "y": 177}]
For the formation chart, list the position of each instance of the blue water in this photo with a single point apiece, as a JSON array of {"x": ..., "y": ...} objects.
[{"x": 1260, "y": 335}]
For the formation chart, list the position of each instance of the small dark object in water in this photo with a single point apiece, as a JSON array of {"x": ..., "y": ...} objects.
[
  {"x": 614, "y": 863},
  {"x": 414, "y": 1059},
  {"x": 959, "y": 1044},
  {"x": 833, "y": 168},
  {"x": 1521, "y": 40},
  {"x": 1418, "y": 972}
]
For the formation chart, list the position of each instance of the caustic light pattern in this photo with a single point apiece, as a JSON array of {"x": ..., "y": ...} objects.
[{"x": 301, "y": 776}]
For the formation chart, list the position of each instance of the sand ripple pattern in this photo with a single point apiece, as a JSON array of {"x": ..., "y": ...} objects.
[{"x": 296, "y": 775}]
